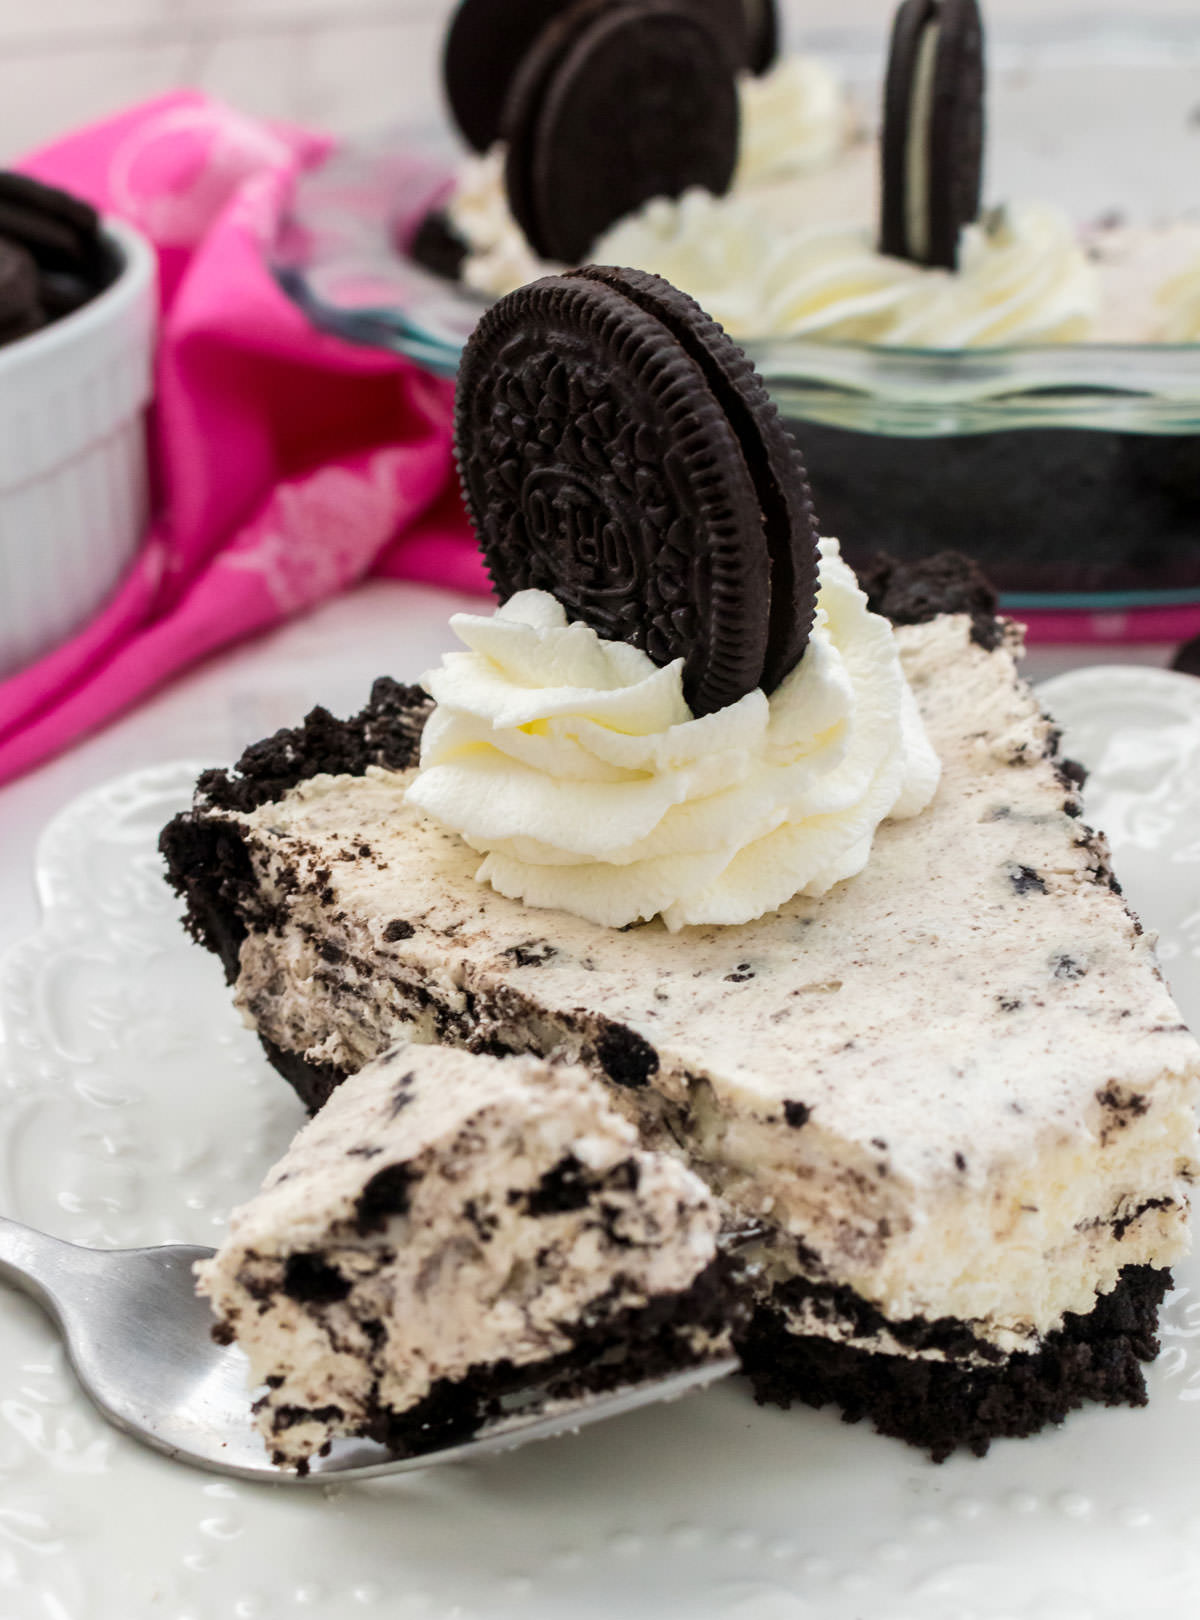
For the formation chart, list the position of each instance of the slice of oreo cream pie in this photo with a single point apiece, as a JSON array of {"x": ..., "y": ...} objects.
[
  {"x": 793, "y": 865},
  {"x": 452, "y": 1229}
]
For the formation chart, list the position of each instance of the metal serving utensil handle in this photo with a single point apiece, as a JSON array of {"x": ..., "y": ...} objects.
[{"x": 36, "y": 1263}]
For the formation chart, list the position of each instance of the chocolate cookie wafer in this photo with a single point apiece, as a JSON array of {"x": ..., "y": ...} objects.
[
  {"x": 488, "y": 39},
  {"x": 613, "y": 105},
  {"x": 618, "y": 450},
  {"x": 933, "y": 126}
]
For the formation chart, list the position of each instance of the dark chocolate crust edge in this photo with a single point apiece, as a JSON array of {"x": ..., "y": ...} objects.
[
  {"x": 207, "y": 862},
  {"x": 608, "y": 1350},
  {"x": 939, "y": 1406}
]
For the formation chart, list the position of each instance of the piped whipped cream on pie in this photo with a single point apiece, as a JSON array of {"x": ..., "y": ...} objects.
[
  {"x": 795, "y": 119},
  {"x": 575, "y": 767},
  {"x": 1022, "y": 278},
  {"x": 1179, "y": 301}
]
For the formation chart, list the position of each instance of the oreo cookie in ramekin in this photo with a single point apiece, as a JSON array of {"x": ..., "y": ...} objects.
[{"x": 75, "y": 387}]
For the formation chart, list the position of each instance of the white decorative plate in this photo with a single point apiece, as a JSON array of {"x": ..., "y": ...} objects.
[{"x": 134, "y": 1109}]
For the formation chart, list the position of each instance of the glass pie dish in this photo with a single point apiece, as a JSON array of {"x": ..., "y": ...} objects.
[{"x": 1071, "y": 471}]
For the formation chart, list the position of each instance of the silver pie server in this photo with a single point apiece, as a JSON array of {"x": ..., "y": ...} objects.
[{"x": 138, "y": 1337}]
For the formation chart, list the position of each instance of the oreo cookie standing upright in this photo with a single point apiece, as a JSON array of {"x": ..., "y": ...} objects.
[
  {"x": 487, "y": 40},
  {"x": 617, "y": 449},
  {"x": 762, "y": 33},
  {"x": 616, "y": 103},
  {"x": 933, "y": 130}
]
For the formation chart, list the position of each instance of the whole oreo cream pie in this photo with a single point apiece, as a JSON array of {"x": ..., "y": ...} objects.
[
  {"x": 819, "y": 229},
  {"x": 786, "y": 860},
  {"x": 586, "y": 116}
]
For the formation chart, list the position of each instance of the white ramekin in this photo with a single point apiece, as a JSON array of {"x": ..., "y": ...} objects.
[{"x": 74, "y": 494}]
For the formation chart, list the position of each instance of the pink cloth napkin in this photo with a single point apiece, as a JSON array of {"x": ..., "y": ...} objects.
[{"x": 288, "y": 464}]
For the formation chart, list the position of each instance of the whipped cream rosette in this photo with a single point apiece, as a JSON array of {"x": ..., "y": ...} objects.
[{"x": 574, "y": 765}]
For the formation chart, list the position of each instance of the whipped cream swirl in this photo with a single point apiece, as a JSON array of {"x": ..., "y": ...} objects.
[
  {"x": 1023, "y": 277},
  {"x": 574, "y": 765},
  {"x": 794, "y": 117},
  {"x": 499, "y": 259},
  {"x": 1178, "y": 307}
]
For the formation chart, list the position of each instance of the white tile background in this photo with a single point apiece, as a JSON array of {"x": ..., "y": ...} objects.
[{"x": 350, "y": 65}]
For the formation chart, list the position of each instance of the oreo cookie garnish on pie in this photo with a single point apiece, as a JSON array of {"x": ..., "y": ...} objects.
[
  {"x": 933, "y": 124},
  {"x": 488, "y": 39},
  {"x": 618, "y": 450},
  {"x": 615, "y": 103},
  {"x": 762, "y": 30}
]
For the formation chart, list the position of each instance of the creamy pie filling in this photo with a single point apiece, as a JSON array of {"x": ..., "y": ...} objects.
[{"x": 955, "y": 1084}]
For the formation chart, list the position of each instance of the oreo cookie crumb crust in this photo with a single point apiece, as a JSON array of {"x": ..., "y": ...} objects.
[
  {"x": 437, "y": 247},
  {"x": 619, "y": 451},
  {"x": 1187, "y": 658},
  {"x": 207, "y": 862},
  {"x": 608, "y": 1351},
  {"x": 613, "y": 104},
  {"x": 386, "y": 732},
  {"x": 939, "y": 1406},
  {"x": 914, "y": 593}
]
